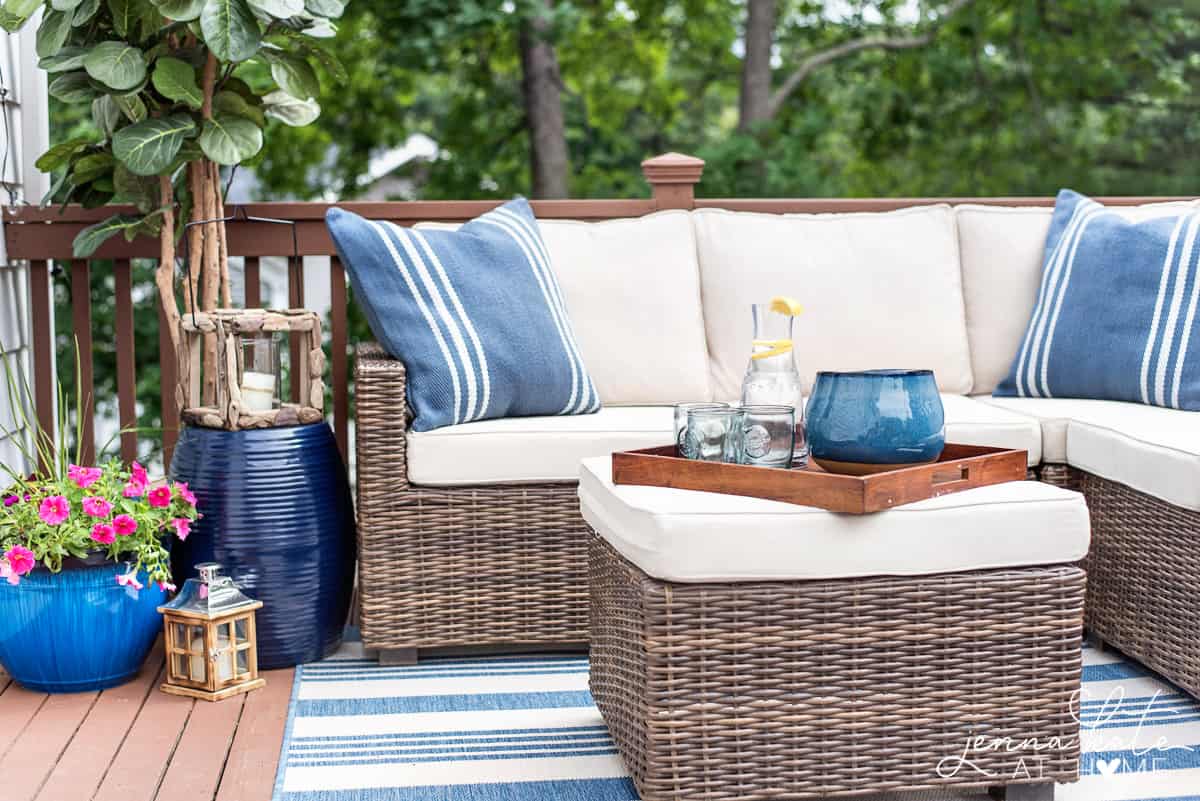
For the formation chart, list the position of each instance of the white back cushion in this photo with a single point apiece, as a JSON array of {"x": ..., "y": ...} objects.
[
  {"x": 879, "y": 290},
  {"x": 1003, "y": 249},
  {"x": 632, "y": 288}
]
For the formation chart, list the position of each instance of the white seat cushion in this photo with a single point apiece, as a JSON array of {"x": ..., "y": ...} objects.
[
  {"x": 969, "y": 422},
  {"x": 1051, "y": 414},
  {"x": 1150, "y": 448},
  {"x": 632, "y": 289},
  {"x": 523, "y": 450},
  {"x": 678, "y": 535},
  {"x": 878, "y": 290}
]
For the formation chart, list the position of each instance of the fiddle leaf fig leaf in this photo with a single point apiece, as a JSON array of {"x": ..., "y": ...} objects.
[
  {"x": 15, "y": 13},
  {"x": 325, "y": 8},
  {"x": 233, "y": 103},
  {"x": 106, "y": 115},
  {"x": 293, "y": 74},
  {"x": 89, "y": 240},
  {"x": 179, "y": 10},
  {"x": 230, "y": 29},
  {"x": 148, "y": 147},
  {"x": 176, "y": 80},
  {"x": 116, "y": 65},
  {"x": 140, "y": 190},
  {"x": 64, "y": 5},
  {"x": 131, "y": 106},
  {"x": 72, "y": 87},
  {"x": 229, "y": 140},
  {"x": 84, "y": 13},
  {"x": 66, "y": 59},
  {"x": 91, "y": 167},
  {"x": 280, "y": 9},
  {"x": 290, "y": 110},
  {"x": 126, "y": 15},
  {"x": 60, "y": 154},
  {"x": 52, "y": 33}
]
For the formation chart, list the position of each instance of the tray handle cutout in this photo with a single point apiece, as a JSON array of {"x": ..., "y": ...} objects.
[{"x": 955, "y": 474}]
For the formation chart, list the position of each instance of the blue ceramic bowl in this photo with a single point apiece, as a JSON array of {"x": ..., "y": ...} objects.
[{"x": 875, "y": 420}]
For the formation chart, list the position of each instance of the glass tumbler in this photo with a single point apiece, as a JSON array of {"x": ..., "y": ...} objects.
[
  {"x": 768, "y": 435},
  {"x": 681, "y": 413},
  {"x": 714, "y": 435}
]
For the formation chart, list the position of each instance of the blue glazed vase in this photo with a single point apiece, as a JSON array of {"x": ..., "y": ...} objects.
[
  {"x": 277, "y": 515},
  {"x": 77, "y": 630},
  {"x": 875, "y": 420}
]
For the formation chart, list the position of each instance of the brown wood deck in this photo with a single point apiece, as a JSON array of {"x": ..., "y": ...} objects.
[{"x": 134, "y": 743}]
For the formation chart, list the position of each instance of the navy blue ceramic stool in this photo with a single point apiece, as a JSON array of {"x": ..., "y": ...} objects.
[{"x": 277, "y": 514}]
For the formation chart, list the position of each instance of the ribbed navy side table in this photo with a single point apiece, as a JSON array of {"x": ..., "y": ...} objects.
[{"x": 277, "y": 514}]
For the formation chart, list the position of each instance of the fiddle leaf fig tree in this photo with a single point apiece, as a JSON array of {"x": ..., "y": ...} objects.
[{"x": 177, "y": 89}]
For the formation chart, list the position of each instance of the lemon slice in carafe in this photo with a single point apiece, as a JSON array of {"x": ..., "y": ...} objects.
[{"x": 781, "y": 304}]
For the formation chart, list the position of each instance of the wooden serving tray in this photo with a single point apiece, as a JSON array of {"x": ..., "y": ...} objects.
[{"x": 960, "y": 467}]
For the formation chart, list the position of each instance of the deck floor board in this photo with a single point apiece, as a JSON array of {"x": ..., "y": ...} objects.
[{"x": 134, "y": 743}]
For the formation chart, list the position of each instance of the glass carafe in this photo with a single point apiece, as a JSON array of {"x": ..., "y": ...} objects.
[{"x": 771, "y": 375}]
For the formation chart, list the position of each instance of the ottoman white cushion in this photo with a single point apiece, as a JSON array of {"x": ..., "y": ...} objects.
[{"x": 679, "y": 535}]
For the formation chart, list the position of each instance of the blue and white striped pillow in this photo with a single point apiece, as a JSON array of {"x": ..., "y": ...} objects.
[
  {"x": 476, "y": 315},
  {"x": 1116, "y": 313}
]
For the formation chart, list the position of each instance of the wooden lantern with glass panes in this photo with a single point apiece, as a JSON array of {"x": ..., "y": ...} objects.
[{"x": 210, "y": 638}]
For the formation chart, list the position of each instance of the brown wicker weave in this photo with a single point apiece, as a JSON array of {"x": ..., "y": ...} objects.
[
  {"x": 1144, "y": 576},
  {"x": 766, "y": 690},
  {"x": 457, "y": 566}
]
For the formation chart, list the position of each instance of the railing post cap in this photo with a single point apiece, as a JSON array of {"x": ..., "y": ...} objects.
[{"x": 673, "y": 168}]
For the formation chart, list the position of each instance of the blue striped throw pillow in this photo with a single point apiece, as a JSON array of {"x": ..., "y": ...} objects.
[
  {"x": 1116, "y": 312},
  {"x": 475, "y": 315}
]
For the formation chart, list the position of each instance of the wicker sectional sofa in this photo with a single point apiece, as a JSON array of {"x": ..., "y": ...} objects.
[{"x": 471, "y": 535}]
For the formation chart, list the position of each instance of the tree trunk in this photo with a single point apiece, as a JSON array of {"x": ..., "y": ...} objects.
[
  {"x": 542, "y": 87},
  {"x": 754, "y": 105}
]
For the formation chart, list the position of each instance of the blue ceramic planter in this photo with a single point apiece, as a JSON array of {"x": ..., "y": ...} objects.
[
  {"x": 277, "y": 514},
  {"x": 875, "y": 420},
  {"x": 77, "y": 630}
]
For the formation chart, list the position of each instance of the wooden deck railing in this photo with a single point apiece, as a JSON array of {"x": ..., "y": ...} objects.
[{"x": 44, "y": 236}]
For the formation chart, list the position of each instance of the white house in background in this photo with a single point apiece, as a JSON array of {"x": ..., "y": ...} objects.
[{"x": 24, "y": 134}]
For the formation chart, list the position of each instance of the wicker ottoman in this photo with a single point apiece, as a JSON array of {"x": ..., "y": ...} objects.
[{"x": 746, "y": 649}]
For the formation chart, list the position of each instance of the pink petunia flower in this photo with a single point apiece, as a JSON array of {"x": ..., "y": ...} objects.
[
  {"x": 7, "y": 573},
  {"x": 20, "y": 560},
  {"x": 134, "y": 490},
  {"x": 137, "y": 473},
  {"x": 124, "y": 525},
  {"x": 183, "y": 527},
  {"x": 9, "y": 500},
  {"x": 54, "y": 510},
  {"x": 160, "y": 497},
  {"x": 185, "y": 493},
  {"x": 95, "y": 506},
  {"x": 130, "y": 580},
  {"x": 103, "y": 533},
  {"x": 84, "y": 476},
  {"x": 165, "y": 586}
]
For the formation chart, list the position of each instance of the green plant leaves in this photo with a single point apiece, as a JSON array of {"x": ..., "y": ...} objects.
[
  {"x": 116, "y": 65},
  {"x": 125, "y": 15},
  {"x": 52, "y": 33},
  {"x": 325, "y": 8},
  {"x": 68, "y": 58},
  {"x": 229, "y": 140},
  {"x": 179, "y": 10},
  {"x": 176, "y": 80},
  {"x": 293, "y": 74},
  {"x": 64, "y": 5},
  {"x": 131, "y": 106},
  {"x": 14, "y": 13},
  {"x": 233, "y": 103},
  {"x": 280, "y": 9},
  {"x": 89, "y": 240},
  {"x": 106, "y": 115},
  {"x": 291, "y": 110},
  {"x": 148, "y": 147},
  {"x": 72, "y": 87},
  {"x": 92, "y": 166},
  {"x": 140, "y": 190},
  {"x": 60, "y": 154},
  {"x": 230, "y": 29},
  {"x": 84, "y": 13}
]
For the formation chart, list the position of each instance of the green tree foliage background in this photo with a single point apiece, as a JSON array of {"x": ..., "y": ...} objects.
[{"x": 1011, "y": 97}]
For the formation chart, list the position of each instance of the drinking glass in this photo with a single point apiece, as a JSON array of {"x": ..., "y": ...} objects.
[
  {"x": 714, "y": 435},
  {"x": 681, "y": 413},
  {"x": 768, "y": 435}
]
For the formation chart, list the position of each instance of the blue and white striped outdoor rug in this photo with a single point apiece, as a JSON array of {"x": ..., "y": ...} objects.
[{"x": 525, "y": 729}]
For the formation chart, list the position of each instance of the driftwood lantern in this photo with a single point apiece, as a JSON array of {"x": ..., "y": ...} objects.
[
  {"x": 210, "y": 638},
  {"x": 248, "y": 380}
]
